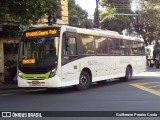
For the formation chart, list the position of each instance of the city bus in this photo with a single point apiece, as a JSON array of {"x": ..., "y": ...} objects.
[{"x": 60, "y": 56}]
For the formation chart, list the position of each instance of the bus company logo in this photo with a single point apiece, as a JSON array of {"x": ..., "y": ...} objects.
[
  {"x": 21, "y": 114},
  {"x": 6, "y": 114}
]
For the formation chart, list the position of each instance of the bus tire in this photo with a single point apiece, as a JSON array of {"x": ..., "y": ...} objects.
[
  {"x": 128, "y": 75},
  {"x": 84, "y": 81}
]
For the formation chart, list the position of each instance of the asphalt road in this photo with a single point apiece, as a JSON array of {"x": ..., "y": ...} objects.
[{"x": 142, "y": 93}]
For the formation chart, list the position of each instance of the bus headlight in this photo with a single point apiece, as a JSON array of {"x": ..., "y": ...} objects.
[
  {"x": 53, "y": 72},
  {"x": 20, "y": 74}
]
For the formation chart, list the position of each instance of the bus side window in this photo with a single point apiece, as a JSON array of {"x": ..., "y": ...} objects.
[
  {"x": 69, "y": 46},
  {"x": 110, "y": 46},
  {"x": 101, "y": 45},
  {"x": 88, "y": 45},
  {"x": 129, "y": 47},
  {"x": 72, "y": 48},
  {"x": 123, "y": 47},
  {"x": 141, "y": 48},
  {"x": 134, "y": 48}
]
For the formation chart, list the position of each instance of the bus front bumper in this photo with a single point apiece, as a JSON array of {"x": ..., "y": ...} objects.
[{"x": 48, "y": 83}]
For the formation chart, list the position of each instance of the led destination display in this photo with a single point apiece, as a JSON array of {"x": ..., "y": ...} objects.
[{"x": 39, "y": 33}]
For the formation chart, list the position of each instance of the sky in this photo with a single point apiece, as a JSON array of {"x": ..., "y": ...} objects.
[{"x": 90, "y": 5}]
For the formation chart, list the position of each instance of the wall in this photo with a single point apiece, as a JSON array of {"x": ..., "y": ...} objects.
[
  {"x": 10, "y": 55},
  {"x": 64, "y": 4},
  {"x": 1, "y": 62}
]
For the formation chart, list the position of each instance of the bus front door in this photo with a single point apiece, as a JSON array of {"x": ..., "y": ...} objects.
[{"x": 70, "y": 71}]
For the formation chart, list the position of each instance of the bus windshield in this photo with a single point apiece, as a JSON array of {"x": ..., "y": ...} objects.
[{"x": 38, "y": 54}]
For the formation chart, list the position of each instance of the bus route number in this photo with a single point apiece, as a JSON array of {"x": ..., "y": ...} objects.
[{"x": 92, "y": 62}]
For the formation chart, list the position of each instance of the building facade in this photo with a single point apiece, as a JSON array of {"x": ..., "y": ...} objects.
[{"x": 64, "y": 4}]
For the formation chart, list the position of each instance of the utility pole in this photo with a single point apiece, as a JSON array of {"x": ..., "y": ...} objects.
[{"x": 96, "y": 15}]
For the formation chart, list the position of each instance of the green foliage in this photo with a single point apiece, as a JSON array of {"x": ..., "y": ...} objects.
[
  {"x": 78, "y": 16},
  {"x": 108, "y": 12},
  {"x": 114, "y": 22},
  {"x": 87, "y": 24},
  {"x": 96, "y": 15},
  {"x": 96, "y": 18},
  {"x": 11, "y": 31},
  {"x": 28, "y": 11},
  {"x": 150, "y": 15},
  {"x": 73, "y": 18},
  {"x": 3, "y": 11}
]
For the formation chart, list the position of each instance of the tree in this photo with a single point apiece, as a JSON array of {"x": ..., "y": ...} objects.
[
  {"x": 77, "y": 16},
  {"x": 87, "y": 24},
  {"x": 96, "y": 15},
  {"x": 27, "y": 12},
  {"x": 150, "y": 16},
  {"x": 116, "y": 22}
]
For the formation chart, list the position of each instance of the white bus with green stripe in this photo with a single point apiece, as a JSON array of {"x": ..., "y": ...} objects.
[{"x": 60, "y": 56}]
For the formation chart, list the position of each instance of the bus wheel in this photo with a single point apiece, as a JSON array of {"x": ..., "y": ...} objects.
[
  {"x": 84, "y": 81},
  {"x": 128, "y": 75}
]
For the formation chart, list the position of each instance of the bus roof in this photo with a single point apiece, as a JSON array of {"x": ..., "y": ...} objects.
[
  {"x": 108, "y": 33},
  {"x": 97, "y": 32}
]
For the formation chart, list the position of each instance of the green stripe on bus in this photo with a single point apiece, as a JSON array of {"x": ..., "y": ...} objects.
[
  {"x": 35, "y": 76},
  {"x": 80, "y": 66}
]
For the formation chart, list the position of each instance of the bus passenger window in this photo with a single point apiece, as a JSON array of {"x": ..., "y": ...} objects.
[
  {"x": 129, "y": 47},
  {"x": 135, "y": 48},
  {"x": 141, "y": 48},
  {"x": 114, "y": 47},
  {"x": 69, "y": 46},
  {"x": 101, "y": 45},
  {"x": 72, "y": 48},
  {"x": 88, "y": 45},
  {"x": 123, "y": 48}
]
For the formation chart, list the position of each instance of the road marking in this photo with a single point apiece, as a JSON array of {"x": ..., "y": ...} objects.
[
  {"x": 147, "y": 89},
  {"x": 154, "y": 86}
]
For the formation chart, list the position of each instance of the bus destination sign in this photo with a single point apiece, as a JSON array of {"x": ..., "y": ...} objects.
[
  {"x": 39, "y": 33},
  {"x": 28, "y": 61}
]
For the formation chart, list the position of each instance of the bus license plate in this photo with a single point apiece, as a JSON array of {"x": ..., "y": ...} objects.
[{"x": 35, "y": 82}]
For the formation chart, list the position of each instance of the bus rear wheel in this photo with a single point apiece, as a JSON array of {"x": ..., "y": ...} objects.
[
  {"x": 84, "y": 81},
  {"x": 128, "y": 75}
]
